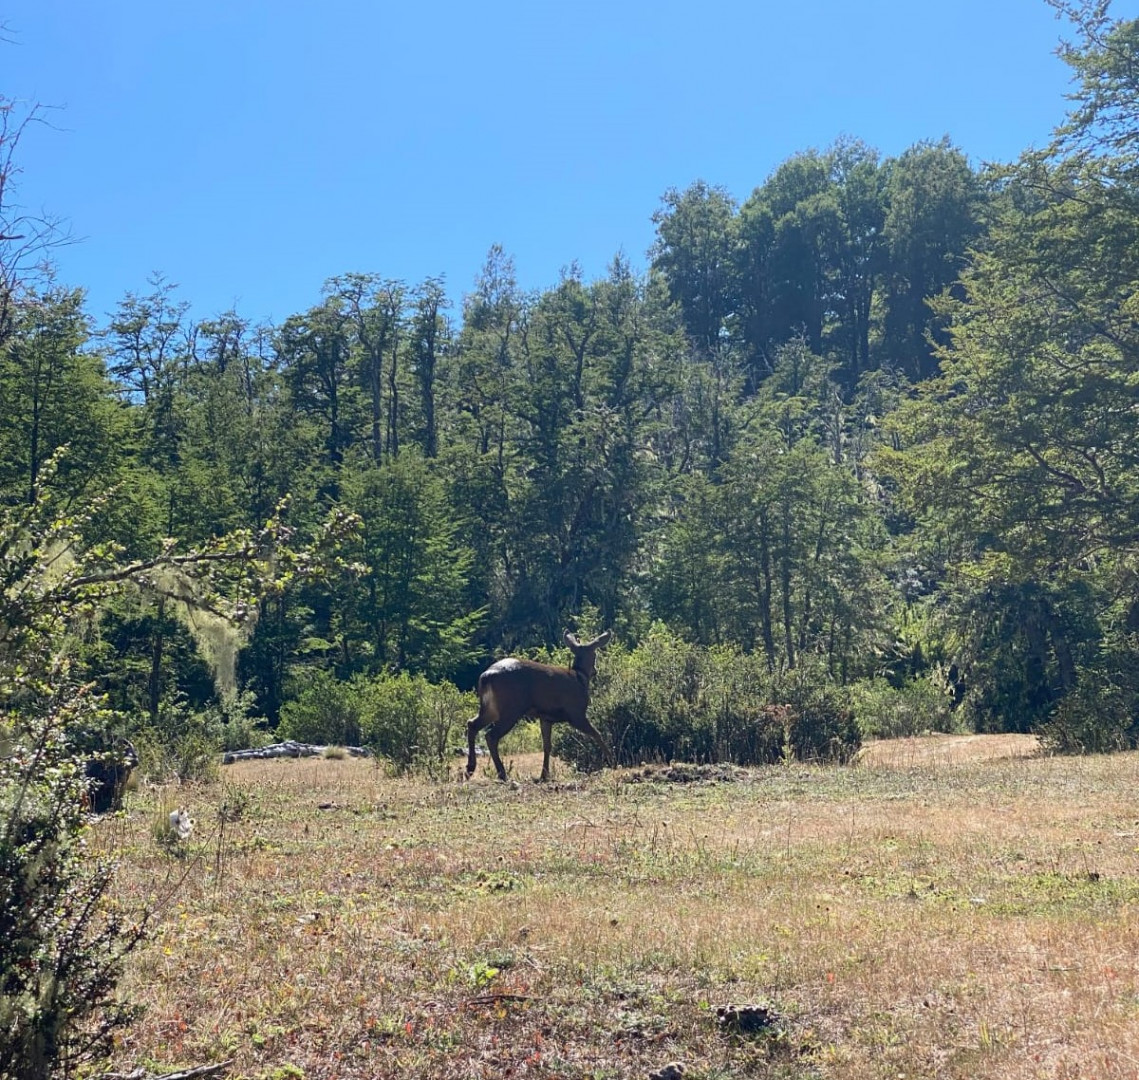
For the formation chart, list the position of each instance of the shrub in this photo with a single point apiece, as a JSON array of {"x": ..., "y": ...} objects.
[
  {"x": 822, "y": 728},
  {"x": 184, "y": 743},
  {"x": 1101, "y": 713},
  {"x": 61, "y": 944},
  {"x": 1098, "y": 717},
  {"x": 403, "y": 717},
  {"x": 883, "y": 711},
  {"x": 394, "y": 717},
  {"x": 407, "y": 719},
  {"x": 670, "y": 700},
  {"x": 326, "y": 712}
]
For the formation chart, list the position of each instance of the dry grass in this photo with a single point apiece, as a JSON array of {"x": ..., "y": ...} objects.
[
  {"x": 911, "y": 920},
  {"x": 947, "y": 749}
]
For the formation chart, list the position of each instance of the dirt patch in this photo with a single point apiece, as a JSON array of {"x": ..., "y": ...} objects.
[{"x": 923, "y": 750}]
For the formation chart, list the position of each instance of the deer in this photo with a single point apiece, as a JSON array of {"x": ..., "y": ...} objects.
[{"x": 511, "y": 689}]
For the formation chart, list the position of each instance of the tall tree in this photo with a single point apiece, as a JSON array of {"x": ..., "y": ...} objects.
[
  {"x": 54, "y": 394},
  {"x": 694, "y": 251},
  {"x": 431, "y": 335},
  {"x": 1024, "y": 454},
  {"x": 935, "y": 216}
]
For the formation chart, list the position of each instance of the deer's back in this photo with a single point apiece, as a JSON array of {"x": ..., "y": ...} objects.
[{"x": 528, "y": 686}]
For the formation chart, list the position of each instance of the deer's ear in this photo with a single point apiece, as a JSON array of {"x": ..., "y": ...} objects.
[
  {"x": 571, "y": 640},
  {"x": 602, "y": 641}
]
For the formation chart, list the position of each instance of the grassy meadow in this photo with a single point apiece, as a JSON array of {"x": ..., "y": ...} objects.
[{"x": 914, "y": 915}]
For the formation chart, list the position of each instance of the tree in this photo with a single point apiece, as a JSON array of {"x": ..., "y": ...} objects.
[
  {"x": 694, "y": 252},
  {"x": 934, "y": 217},
  {"x": 431, "y": 337},
  {"x": 26, "y": 238},
  {"x": 53, "y": 394},
  {"x": 407, "y": 606},
  {"x": 1023, "y": 455}
]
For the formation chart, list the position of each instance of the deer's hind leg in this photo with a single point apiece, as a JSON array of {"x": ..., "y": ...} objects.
[
  {"x": 586, "y": 728},
  {"x": 485, "y": 718},
  {"x": 494, "y": 733}
]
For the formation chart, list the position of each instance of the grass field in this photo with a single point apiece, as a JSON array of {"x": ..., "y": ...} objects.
[{"x": 904, "y": 917}]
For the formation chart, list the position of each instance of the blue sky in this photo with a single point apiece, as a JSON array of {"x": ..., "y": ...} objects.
[{"x": 250, "y": 149}]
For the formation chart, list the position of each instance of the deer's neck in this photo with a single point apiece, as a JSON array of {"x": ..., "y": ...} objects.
[{"x": 581, "y": 676}]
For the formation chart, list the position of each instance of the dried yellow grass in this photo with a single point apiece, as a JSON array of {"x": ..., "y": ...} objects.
[
  {"x": 937, "y": 749},
  {"x": 969, "y": 921}
]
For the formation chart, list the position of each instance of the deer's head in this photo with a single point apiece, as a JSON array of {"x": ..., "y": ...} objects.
[{"x": 585, "y": 655}]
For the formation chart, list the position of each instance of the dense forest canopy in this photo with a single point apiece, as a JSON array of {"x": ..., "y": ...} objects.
[{"x": 874, "y": 427}]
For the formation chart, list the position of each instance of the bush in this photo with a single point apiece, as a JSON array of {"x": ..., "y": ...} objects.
[
  {"x": 888, "y": 712},
  {"x": 185, "y": 743},
  {"x": 407, "y": 719},
  {"x": 822, "y": 728},
  {"x": 326, "y": 712},
  {"x": 394, "y": 712},
  {"x": 403, "y": 718},
  {"x": 1098, "y": 717},
  {"x": 669, "y": 700},
  {"x": 1101, "y": 713},
  {"x": 61, "y": 944}
]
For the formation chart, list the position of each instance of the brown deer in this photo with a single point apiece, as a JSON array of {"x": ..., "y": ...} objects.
[{"x": 511, "y": 689}]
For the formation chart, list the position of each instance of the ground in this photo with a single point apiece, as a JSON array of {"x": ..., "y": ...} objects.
[{"x": 916, "y": 914}]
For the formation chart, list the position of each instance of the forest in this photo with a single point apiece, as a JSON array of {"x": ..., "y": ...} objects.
[{"x": 865, "y": 442}]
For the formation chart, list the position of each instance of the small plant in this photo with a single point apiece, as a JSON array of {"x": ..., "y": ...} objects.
[
  {"x": 234, "y": 805},
  {"x": 481, "y": 974}
]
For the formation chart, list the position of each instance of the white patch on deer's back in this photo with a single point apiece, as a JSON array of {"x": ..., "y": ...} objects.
[{"x": 509, "y": 664}]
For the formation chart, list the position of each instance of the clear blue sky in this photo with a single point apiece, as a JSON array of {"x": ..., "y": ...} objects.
[{"x": 250, "y": 149}]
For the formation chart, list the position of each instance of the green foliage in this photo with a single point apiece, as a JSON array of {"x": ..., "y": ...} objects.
[
  {"x": 407, "y": 604},
  {"x": 62, "y": 944},
  {"x": 61, "y": 941},
  {"x": 671, "y": 700},
  {"x": 408, "y": 719},
  {"x": 884, "y": 711},
  {"x": 326, "y": 712},
  {"x": 403, "y": 718},
  {"x": 820, "y": 723},
  {"x": 1020, "y": 462},
  {"x": 1102, "y": 713}
]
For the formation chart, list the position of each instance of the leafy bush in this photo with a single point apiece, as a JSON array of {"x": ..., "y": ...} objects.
[
  {"x": 61, "y": 944},
  {"x": 184, "y": 743},
  {"x": 326, "y": 712},
  {"x": 394, "y": 714},
  {"x": 1098, "y": 717},
  {"x": 403, "y": 718},
  {"x": 670, "y": 700},
  {"x": 883, "y": 711},
  {"x": 822, "y": 728},
  {"x": 1101, "y": 713},
  {"x": 408, "y": 719}
]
